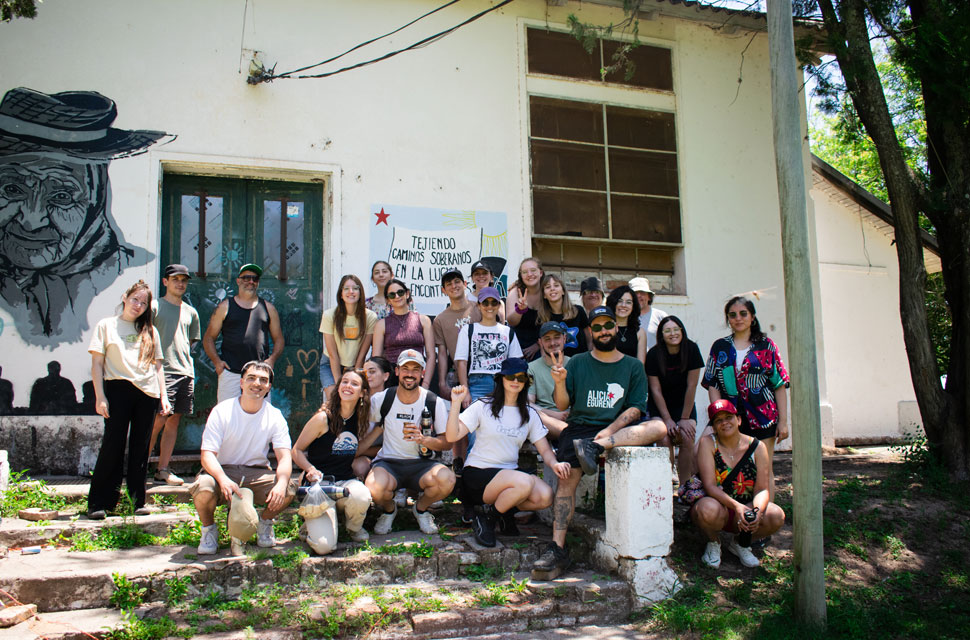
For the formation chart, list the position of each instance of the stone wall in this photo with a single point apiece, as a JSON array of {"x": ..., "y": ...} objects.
[{"x": 52, "y": 445}]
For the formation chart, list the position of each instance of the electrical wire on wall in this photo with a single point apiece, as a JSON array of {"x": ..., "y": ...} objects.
[
  {"x": 862, "y": 228},
  {"x": 291, "y": 75}
]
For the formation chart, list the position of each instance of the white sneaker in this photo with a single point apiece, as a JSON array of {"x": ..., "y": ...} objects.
[
  {"x": 744, "y": 554},
  {"x": 425, "y": 521},
  {"x": 360, "y": 535},
  {"x": 383, "y": 525},
  {"x": 237, "y": 547},
  {"x": 209, "y": 543},
  {"x": 169, "y": 478},
  {"x": 264, "y": 534},
  {"x": 712, "y": 554}
]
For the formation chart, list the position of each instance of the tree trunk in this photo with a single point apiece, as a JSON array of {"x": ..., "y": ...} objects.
[{"x": 943, "y": 413}]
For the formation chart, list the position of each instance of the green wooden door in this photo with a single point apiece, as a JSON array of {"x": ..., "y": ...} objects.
[{"x": 277, "y": 225}]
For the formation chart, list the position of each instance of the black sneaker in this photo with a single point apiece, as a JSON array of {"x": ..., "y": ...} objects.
[
  {"x": 484, "y": 526},
  {"x": 760, "y": 543},
  {"x": 588, "y": 454},
  {"x": 506, "y": 523},
  {"x": 467, "y": 513},
  {"x": 553, "y": 557},
  {"x": 97, "y": 514}
]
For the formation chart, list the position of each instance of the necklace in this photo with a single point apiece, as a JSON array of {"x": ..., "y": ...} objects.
[{"x": 623, "y": 332}]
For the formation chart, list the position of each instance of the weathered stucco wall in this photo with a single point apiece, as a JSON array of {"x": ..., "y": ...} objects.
[{"x": 445, "y": 126}]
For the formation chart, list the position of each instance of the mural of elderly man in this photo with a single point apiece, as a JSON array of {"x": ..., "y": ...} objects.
[{"x": 59, "y": 245}]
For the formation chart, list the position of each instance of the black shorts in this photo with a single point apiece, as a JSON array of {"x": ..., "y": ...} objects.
[
  {"x": 755, "y": 431},
  {"x": 474, "y": 481},
  {"x": 407, "y": 473},
  {"x": 181, "y": 393},
  {"x": 566, "y": 452}
]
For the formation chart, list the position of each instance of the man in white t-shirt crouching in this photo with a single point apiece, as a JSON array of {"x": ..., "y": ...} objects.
[
  {"x": 234, "y": 446},
  {"x": 399, "y": 462}
]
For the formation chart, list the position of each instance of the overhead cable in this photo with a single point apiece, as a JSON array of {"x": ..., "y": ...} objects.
[{"x": 417, "y": 45}]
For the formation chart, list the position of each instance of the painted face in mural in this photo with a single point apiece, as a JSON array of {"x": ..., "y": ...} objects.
[{"x": 46, "y": 204}]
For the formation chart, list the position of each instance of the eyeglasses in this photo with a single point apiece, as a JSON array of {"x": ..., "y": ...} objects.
[
  {"x": 743, "y": 313},
  {"x": 398, "y": 293},
  {"x": 350, "y": 289},
  {"x": 249, "y": 278},
  {"x": 518, "y": 377},
  {"x": 606, "y": 326},
  {"x": 489, "y": 302},
  {"x": 670, "y": 330}
]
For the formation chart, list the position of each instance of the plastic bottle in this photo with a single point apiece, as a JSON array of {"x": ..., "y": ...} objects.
[{"x": 425, "y": 431}]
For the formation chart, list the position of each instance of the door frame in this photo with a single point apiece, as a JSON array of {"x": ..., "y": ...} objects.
[{"x": 167, "y": 162}]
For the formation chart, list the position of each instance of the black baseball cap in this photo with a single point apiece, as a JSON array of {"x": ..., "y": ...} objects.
[
  {"x": 450, "y": 275},
  {"x": 480, "y": 265},
  {"x": 176, "y": 270},
  {"x": 600, "y": 311}
]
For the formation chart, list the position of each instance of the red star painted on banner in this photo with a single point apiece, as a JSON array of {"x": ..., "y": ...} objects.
[{"x": 382, "y": 217}]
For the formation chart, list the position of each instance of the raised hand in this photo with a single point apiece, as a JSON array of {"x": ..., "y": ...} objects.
[
  {"x": 558, "y": 371},
  {"x": 458, "y": 394}
]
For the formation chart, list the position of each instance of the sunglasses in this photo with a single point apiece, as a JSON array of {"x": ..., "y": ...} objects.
[
  {"x": 249, "y": 278},
  {"x": 601, "y": 327},
  {"x": 395, "y": 294},
  {"x": 738, "y": 314},
  {"x": 518, "y": 377},
  {"x": 489, "y": 302}
]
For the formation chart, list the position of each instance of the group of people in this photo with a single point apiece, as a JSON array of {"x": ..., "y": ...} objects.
[{"x": 573, "y": 379}]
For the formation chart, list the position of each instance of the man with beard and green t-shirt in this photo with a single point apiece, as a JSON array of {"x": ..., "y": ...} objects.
[{"x": 605, "y": 392}]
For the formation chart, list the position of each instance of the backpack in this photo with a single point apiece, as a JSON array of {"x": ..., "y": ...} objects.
[{"x": 430, "y": 402}]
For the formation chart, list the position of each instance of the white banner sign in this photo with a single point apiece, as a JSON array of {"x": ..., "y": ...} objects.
[{"x": 420, "y": 256}]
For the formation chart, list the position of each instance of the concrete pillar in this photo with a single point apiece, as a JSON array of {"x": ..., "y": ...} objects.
[
  {"x": 639, "y": 521},
  {"x": 4, "y": 471}
]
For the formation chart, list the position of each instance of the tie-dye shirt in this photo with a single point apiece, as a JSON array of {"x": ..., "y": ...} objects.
[{"x": 752, "y": 388}]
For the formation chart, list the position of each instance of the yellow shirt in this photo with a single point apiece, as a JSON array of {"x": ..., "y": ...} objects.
[
  {"x": 348, "y": 345},
  {"x": 120, "y": 344}
]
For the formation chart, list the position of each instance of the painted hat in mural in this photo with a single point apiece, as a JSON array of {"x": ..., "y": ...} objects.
[{"x": 77, "y": 123}]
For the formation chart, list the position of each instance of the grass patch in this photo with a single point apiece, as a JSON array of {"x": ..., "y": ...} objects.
[
  {"x": 421, "y": 549},
  {"x": 24, "y": 493},
  {"x": 289, "y": 559},
  {"x": 123, "y": 536},
  {"x": 127, "y": 594}
]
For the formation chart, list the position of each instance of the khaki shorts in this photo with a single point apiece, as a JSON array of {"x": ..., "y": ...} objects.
[{"x": 260, "y": 479}]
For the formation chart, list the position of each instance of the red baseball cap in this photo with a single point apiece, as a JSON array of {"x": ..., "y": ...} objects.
[{"x": 720, "y": 406}]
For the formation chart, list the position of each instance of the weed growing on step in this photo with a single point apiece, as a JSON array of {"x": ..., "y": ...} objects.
[
  {"x": 134, "y": 628},
  {"x": 124, "y": 536},
  {"x": 289, "y": 559},
  {"x": 127, "y": 594},
  {"x": 176, "y": 589},
  {"x": 421, "y": 549},
  {"x": 481, "y": 573},
  {"x": 24, "y": 493},
  {"x": 187, "y": 532},
  {"x": 287, "y": 528}
]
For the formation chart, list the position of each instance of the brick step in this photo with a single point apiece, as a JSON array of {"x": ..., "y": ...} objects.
[
  {"x": 16, "y": 533},
  {"x": 65, "y": 625}
]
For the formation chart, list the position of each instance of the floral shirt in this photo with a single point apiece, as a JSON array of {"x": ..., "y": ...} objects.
[
  {"x": 382, "y": 309},
  {"x": 742, "y": 488},
  {"x": 752, "y": 388}
]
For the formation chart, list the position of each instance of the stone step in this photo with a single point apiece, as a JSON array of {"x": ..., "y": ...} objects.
[
  {"x": 16, "y": 533},
  {"x": 82, "y": 624}
]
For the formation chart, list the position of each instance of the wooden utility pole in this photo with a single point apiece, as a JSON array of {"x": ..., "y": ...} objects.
[{"x": 800, "y": 314}]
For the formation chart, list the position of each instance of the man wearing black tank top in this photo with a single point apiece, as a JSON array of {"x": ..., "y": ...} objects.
[{"x": 247, "y": 323}]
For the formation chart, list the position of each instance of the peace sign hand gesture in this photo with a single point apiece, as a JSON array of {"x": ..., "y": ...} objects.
[{"x": 557, "y": 371}]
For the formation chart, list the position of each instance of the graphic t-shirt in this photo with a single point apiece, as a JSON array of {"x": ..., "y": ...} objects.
[
  {"x": 601, "y": 391},
  {"x": 575, "y": 330},
  {"x": 178, "y": 327},
  {"x": 673, "y": 382},
  {"x": 448, "y": 325},
  {"x": 395, "y": 447},
  {"x": 120, "y": 343},
  {"x": 348, "y": 345},
  {"x": 490, "y": 347},
  {"x": 498, "y": 440}
]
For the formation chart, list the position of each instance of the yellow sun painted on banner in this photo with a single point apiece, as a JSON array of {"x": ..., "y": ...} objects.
[{"x": 459, "y": 220}]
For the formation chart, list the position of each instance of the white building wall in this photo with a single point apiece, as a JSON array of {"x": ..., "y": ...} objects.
[
  {"x": 867, "y": 371},
  {"x": 445, "y": 126}
]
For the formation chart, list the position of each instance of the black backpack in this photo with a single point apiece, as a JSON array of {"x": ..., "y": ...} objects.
[{"x": 430, "y": 402}]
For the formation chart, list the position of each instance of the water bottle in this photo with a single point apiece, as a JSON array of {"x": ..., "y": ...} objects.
[
  {"x": 744, "y": 538},
  {"x": 332, "y": 491},
  {"x": 425, "y": 431}
]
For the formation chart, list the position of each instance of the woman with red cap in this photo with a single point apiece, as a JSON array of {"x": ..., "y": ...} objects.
[{"x": 734, "y": 469}]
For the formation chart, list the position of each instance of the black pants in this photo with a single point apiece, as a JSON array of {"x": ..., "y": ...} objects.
[{"x": 130, "y": 409}]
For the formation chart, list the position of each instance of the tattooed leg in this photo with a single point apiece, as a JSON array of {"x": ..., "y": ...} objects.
[{"x": 564, "y": 506}]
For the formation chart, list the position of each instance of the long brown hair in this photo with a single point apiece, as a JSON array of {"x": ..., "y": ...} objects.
[
  {"x": 520, "y": 283},
  {"x": 662, "y": 349},
  {"x": 340, "y": 314},
  {"x": 332, "y": 405},
  {"x": 144, "y": 326},
  {"x": 545, "y": 309}
]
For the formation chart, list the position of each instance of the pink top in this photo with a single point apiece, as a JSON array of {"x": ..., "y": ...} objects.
[{"x": 401, "y": 333}]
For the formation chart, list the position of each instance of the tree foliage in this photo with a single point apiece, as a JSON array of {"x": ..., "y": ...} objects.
[{"x": 10, "y": 9}]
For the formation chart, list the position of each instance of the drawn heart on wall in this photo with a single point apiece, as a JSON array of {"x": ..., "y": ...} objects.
[{"x": 308, "y": 359}]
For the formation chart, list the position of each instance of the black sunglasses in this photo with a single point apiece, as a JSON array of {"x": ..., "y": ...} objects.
[
  {"x": 517, "y": 377},
  {"x": 394, "y": 294},
  {"x": 609, "y": 324},
  {"x": 249, "y": 278}
]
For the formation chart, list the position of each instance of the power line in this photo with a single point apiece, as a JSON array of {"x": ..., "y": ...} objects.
[
  {"x": 417, "y": 45},
  {"x": 364, "y": 44}
]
